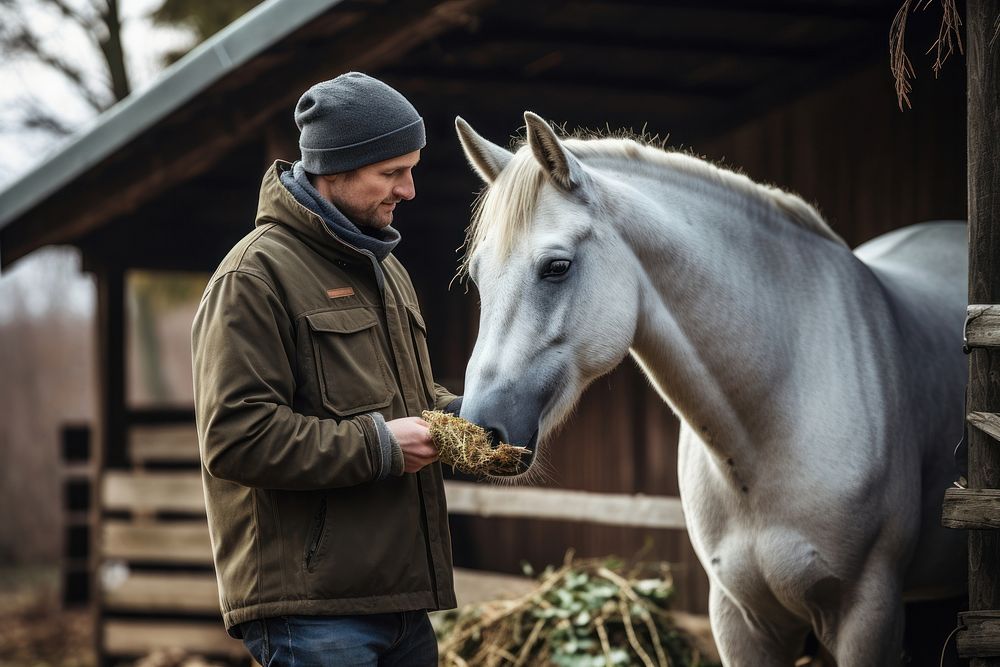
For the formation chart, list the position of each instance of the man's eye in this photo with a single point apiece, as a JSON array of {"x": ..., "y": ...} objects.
[{"x": 555, "y": 268}]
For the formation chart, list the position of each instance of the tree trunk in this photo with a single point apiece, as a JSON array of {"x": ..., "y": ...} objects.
[{"x": 111, "y": 47}]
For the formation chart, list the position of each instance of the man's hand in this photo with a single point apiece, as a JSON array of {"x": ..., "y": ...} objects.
[{"x": 414, "y": 438}]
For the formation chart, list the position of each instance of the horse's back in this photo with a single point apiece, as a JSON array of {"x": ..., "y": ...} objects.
[{"x": 927, "y": 256}]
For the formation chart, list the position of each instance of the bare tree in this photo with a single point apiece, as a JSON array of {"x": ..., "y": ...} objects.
[{"x": 100, "y": 22}]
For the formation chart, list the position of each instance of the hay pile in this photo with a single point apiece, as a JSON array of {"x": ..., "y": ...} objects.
[
  {"x": 585, "y": 614},
  {"x": 466, "y": 447}
]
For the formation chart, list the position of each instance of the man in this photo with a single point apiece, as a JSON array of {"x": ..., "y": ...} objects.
[{"x": 325, "y": 505}]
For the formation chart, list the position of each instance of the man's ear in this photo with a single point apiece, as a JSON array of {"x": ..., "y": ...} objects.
[{"x": 325, "y": 183}]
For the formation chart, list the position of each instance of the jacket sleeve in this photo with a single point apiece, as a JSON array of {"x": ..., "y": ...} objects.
[
  {"x": 446, "y": 401},
  {"x": 243, "y": 345}
]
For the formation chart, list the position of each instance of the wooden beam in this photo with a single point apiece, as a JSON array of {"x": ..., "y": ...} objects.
[
  {"x": 138, "y": 638},
  {"x": 980, "y": 634},
  {"x": 182, "y": 492},
  {"x": 165, "y": 592},
  {"x": 983, "y": 120},
  {"x": 171, "y": 443},
  {"x": 160, "y": 415},
  {"x": 507, "y": 37},
  {"x": 181, "y": 592},
  {"x": 499, "y": 83},
  {"x": 834, "y": 12},
  {"x": 475, "y": 586},
  {"x": 167, "y": 542},
  {"x": 492, "y": 89},
  {"x": 149, "y": 492},
  {"x": 111, "y": 364},
  {"x": 218, "y": 209},
  {"x": 556, "y": 504},
  {"x": 987, "y": 422},
  {"x": 982, "y": 326},
  {"x": 975, "y": 509}
]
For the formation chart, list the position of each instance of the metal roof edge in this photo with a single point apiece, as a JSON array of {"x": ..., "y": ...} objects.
[{"x": 209, "y": 61}]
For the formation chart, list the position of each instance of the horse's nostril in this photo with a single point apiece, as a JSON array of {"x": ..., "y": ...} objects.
[{"x": 497, "y": 435}]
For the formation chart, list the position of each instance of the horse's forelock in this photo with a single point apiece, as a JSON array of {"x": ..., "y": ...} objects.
[{"x": 504, "y": 208}]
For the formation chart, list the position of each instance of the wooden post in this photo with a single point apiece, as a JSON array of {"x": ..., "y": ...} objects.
[
  {"x": 111, "y": 365},
  {"x": 111, "y": 451},
  {"x": 984, "y": 286},
  {"x": 78, "y": 513}
]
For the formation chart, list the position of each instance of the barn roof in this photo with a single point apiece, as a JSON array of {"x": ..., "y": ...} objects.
[{"x": 197, "y": 138}]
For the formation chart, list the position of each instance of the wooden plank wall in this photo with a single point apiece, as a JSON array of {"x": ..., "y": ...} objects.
[
  {"x": 869, "y": 167},
  {"x": 848, "y": 148}
]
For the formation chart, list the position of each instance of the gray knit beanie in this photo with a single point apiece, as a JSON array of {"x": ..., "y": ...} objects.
[{"x": 355, "y": 120}]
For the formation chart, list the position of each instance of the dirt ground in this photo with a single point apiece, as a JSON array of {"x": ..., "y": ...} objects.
[{"x": 34, "y": 630}]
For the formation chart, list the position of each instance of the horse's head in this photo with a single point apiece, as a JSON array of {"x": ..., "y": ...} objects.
[{"x": 557, "y": 284}]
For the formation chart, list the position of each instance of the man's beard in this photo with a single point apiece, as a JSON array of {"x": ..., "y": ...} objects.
[
  {"x": 371, "y": 223},
  {"x": 366, "y": 221}
]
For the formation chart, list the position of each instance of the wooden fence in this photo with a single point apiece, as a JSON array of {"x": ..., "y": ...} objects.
[{"x": 152, "y": 575}]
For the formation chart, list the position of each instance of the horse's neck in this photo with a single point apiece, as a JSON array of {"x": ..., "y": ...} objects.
[{"x": 741, "y": 311}]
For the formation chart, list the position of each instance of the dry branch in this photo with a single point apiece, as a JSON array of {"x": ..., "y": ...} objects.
[{"x": 587, "y": 612}]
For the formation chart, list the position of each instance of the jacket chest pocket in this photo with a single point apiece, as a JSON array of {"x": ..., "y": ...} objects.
[
  {"x": 419, "y": 330},
  {"x": 351, "y": 371}
]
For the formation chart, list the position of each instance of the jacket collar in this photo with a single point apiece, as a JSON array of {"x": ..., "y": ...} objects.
[{"x": 278, "y": 205}]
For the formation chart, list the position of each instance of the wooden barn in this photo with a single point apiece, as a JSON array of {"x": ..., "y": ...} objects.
[{"x": 794, "y": 93}]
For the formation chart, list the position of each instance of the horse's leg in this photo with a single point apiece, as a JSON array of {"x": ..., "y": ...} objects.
[
  {"x": 741, "y": 644},
  {"x": 870, "y": 628}
]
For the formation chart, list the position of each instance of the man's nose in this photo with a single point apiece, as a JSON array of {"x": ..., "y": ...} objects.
[{"x": 406, "y": 189}]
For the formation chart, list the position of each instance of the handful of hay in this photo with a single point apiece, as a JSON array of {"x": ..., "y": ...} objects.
[
  {"x": 466, "y": 447},
  {"x": 585, "y": 614}
]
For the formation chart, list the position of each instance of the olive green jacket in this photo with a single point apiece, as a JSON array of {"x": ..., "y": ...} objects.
[{"x": 298, "y": 338}]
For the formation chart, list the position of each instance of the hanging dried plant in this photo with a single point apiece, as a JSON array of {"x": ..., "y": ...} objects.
[{"x": 947, "y": 40}]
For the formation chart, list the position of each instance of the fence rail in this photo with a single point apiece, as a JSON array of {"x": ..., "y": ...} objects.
[{"x": 181, "y": 492}]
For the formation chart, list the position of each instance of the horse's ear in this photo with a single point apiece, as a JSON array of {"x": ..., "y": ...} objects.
[
  {"x": 486, "y": 158},
  {"x": 562, "y": 167}
]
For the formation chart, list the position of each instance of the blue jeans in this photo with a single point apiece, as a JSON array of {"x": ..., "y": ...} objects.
[{"x": 403, "y": 639}]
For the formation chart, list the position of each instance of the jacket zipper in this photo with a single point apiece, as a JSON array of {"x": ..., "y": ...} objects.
[
  {"x": 431, "y": 562},
  {"x": 318, "y": 525}
]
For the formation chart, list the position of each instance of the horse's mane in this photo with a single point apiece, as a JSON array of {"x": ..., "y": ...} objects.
[{"x": 504, "y": 208}]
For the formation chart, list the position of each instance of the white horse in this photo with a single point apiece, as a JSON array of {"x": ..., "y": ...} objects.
[{"x": 820, "y": 391}]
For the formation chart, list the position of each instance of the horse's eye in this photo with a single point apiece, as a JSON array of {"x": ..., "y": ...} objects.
[{"x": 556, "y": 267}]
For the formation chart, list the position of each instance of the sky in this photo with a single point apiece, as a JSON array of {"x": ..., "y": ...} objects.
[{"x": 50, "y": 278}]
